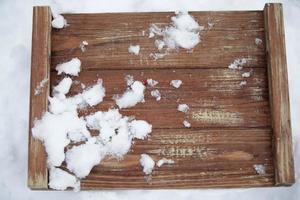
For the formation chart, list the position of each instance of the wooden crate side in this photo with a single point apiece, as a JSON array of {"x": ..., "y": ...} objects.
[
  {"x": 39, "y": 91},
  {"x": 279, "y": 95}
]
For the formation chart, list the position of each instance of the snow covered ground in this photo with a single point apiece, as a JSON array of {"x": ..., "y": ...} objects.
[{"x": 15, "y": 54}]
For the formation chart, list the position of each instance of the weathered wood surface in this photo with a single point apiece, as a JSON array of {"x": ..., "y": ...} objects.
[
  {"x": 40, "y": 73},
  {"x": 231, "y": 128},
  {"x": 231, "y": 124},
  {"x": 214, "y": 96},
  {"x": 109, "y": 35},
  {"x": 203, "y": 158},
  {"x": 279, "y": 95}
]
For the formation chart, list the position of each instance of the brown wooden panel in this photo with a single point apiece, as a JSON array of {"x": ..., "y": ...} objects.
[
  {"x": 214, "y": 96},
  {"x": 232, "y": 36},
  {"x": 279, "y": 95},
  {"x": 231, "y": 124},
  {"x": 40, "y": 70},
  {"x": 203, "y": 158}
]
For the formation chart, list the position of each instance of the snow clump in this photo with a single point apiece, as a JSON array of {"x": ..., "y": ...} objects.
[{"x": 147, "y": 163}]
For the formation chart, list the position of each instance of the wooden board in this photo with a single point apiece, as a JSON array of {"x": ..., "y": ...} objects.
[{"x": 234, "y": 127}]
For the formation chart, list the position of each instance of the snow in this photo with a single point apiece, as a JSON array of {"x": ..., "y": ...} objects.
[
  {"x": 246, "y": 74},
  {"x": 260, "y": 169},
  {"x": 15, "y": 70},
  {"x": 91, "y": 96},
  {"x": 159, "y": 44},
  {"x": 186, "y": 124},
  {"x": 134, "y": 49},
  {"x": 164, "y": 161},
  {"x": 94, "y": 95},
  {"x": 116, "y": 132},
  {"x": 183, "y": 32},
  {"x": 71, "y": 67},
  {"x": 129, "y": 80},
  {"x": 258, "y": 41},
  {"x": 242, "y": 83},
  {"x": 140, "y": 129},
  {"x": 40, "y": 86},
  {"x": 210, "y": 25},
  {"x": 132, "y": 96},
  {"x": 81, "y": 159},
  {"x": 53, "y": 131},
  {"x": 238, "y": 63},
  {"x": 61, "y": 180},
  {"x": 58, "y": 22},
  {"x": 157, "y": 56},
  {"x": 147, "y": 163},
  {"x": 156, "y": 94},
  {"x": 183, "y": 108},
  {"x": 83, "y": 45},
  {"x": 63, "y": 86},
  {"x": 151, "y": 82},
  {"x": 60, "y": 103},
  {"x": 107, "y": 123},
  {"x": 176, "y": 83}
]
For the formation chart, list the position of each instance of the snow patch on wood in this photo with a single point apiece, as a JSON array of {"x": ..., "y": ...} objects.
[
  {"x": 164, "y": 161},
  {"x": 71, "y": 67},
  {"x": 147, "y": 163},
  {"x": 59, "y": 22},
  {"x": 134, "y": 49},
  {"x": 176, "y": 83},
  {"x": 40, "y": 86},
  {"x": 260, "y": 169}
]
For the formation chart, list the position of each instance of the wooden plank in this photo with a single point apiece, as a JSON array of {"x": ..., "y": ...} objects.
[
  {"x": 39, "y": 91},
  {"x": 279, "y": 95},
  {"x": 232, "y": 36},
  {"x": 203, "y": 158},
  {"x": 214, "y": 96},
  {"x": 231, "y": 128}
]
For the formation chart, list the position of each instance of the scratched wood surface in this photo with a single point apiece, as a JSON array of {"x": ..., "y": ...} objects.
[
  {"x": 231, "y": 126},
  {"x": 279, "y": 95},
  {"x": 40, "y": 72}
]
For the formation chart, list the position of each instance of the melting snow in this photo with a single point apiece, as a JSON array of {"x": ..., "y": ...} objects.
[
  {"x": 134, "y": 49},
  {"x": 61, "y": 180},
  {"x": 258, "y": 41},
  {"x": 246, "y": 74},
  {"x": 164, "y": 161},
  {"x": 71, "y": 67},
  {"x": 156, "y": 94},
  {"x": 238, "y": 63},
  {"x": 151, "y": 82},
  {"x": 40, "y": 87},
  {"x": 176, "y": 83},
  {"x": 58, "y": 22},
  {"x": 83, "y": 45},
  {"x": 183, "y": 108},
  {"x": 132, "y": 96},
  {"x": 260, "y": 169},
  {"x": 186, "y": 124},
  {"x": 147, "y": 163},
  {"x": 63, "y": 86}
]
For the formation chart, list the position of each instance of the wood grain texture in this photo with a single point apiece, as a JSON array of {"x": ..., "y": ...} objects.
[
  {"x": 279, "y": 95},
  {"x": 232, "y": 36},
  {"x": 231, "y": 128},
  {"x": 203, "y": 158},
  {"x": 40, "y": 70},
  {"x": 214, "y": 96}
]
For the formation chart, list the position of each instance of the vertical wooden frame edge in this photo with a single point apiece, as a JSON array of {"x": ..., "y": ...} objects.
[
  {"x": 40, "y": 70},
  {"x": 279, "y": 95}
]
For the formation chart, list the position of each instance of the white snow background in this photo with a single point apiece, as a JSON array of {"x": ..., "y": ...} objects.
[{"x": 15, "y": 55}]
